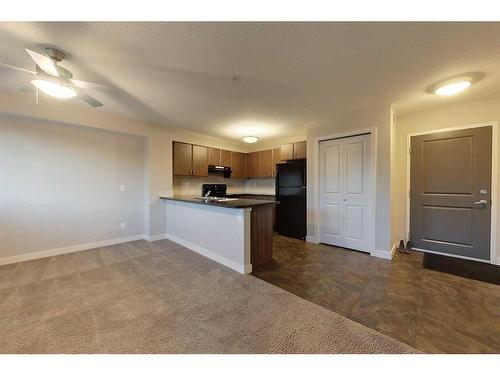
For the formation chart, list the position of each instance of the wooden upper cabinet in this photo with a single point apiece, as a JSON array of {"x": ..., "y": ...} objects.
[
  {"x": 276, "y": 159},
  {"x": 300, "y": 150},
  {"x": 286, "y": 152},
  {"x": 238, "y": 165},
  {"x": 183, "y": 157},
  {"x": 253, "y": 164},
  {"x": 266, "y": 163},
  {"x": 225, "y": 158},
  {"x": 214, "y": 156},
  {"x": 200, "y": 161}
]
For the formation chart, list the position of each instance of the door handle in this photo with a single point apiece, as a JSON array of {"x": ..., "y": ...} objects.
[{"x": 482, "y": 203}]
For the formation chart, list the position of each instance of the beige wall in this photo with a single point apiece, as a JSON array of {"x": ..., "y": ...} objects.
[
  {"x": 447, "y": 117},
  {"x": 378, "y": 118},
  {"x": 158, "y": 144},
  {"x": 60, "y": 186}
]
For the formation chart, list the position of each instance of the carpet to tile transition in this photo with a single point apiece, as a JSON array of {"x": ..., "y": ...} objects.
[{"x": 159, "y": 297}]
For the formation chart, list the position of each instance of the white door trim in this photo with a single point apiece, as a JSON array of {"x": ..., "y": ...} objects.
[
  {"x": 494, "y": 256},
  {"x": 373, "y": 170}
]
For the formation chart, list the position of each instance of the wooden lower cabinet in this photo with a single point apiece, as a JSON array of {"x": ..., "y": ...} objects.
[{"x": 261, "y": 234}]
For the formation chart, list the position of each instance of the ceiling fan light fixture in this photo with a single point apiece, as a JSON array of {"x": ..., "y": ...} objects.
[
  {"x": 54, "y": 89},
  {"x": 250, "y": 139}
]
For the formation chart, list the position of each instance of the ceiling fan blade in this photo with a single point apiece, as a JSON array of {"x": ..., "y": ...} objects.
[
  {"x": 87, "y": 98},
  {"x": 44, "y": 62},
  {"x": 17, "y": 68},
  {"x": 93, "y": 86}
]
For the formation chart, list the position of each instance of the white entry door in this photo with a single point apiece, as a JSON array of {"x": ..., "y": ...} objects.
[{"x": 345, "y": 184}]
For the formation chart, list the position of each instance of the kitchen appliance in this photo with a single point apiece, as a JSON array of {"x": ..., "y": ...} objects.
[
  {"x": 291, "y": 193},
  {"x": 216, "y": 190},
  {"x": 220, "y": 170}
]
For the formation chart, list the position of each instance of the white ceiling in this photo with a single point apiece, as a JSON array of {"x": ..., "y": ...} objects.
[{"x": 290, "y": 74}]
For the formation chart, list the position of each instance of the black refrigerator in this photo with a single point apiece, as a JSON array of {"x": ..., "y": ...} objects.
[{"x": 291, "y": 193}]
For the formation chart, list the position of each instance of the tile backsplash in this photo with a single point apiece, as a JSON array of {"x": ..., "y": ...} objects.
[{"x": 192, "y": 185}]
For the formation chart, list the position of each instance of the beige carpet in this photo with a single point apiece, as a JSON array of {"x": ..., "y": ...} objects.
[{"x": 159, "y": 297}]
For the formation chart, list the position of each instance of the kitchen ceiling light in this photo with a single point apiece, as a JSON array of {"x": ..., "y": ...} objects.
[
  {"x": 250, "y": 139},
  {"x": 54, "y": 89},
  {"x": 452, "y": 88}
]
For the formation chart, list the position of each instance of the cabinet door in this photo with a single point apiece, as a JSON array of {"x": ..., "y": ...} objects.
[
  {"x": 266, "y": 163},
  {"x": 200, "y": 161},
  {"x": 213, "y": 156},
  {"x": 286, "y": 152},
  {"x": 238, "y": 165},
  {"x": 183, "y": 156},
  {"x": 276, "y": 160},
  {"x": 253, "y": 165},
  {"x": 300, "y": 150},
  {"x": 225, "y": 158}
]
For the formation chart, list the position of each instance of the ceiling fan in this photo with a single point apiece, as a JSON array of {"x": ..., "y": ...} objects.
[{"x": 52, "y": 79}]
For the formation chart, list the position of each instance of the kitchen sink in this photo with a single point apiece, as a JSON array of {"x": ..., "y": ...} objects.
[{"x": 216, "y": 199}]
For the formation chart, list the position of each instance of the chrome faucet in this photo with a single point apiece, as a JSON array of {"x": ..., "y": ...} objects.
[{"x": 207, "y": 194}]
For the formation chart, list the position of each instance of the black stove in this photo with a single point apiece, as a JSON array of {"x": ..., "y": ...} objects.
[{"x": 216, "y": 190}]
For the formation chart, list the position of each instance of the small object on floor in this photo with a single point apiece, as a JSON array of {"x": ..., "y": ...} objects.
[
  {"x": 408, "y": 247},
  {"x": 488, "y": 273},
  {"x": 401, "y": 247}
]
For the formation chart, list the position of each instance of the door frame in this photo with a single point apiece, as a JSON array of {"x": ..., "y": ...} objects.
[
  {"x": 494, "y": 187},
  {"x": 373, "y": 182}
]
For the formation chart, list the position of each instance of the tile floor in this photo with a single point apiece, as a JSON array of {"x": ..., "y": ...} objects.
[{"x": 431, "y": 311}]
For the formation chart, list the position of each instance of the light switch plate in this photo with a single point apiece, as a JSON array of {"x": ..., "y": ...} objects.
[
  {"x": 122, "y": 226},
  {"x": 122, "y": 187}
]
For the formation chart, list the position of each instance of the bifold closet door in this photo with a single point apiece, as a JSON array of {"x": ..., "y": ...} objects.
[{"x": 345, "y": 184}]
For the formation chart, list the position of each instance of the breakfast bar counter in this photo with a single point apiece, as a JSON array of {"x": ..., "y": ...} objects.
[{"x": 235, "y": 232}]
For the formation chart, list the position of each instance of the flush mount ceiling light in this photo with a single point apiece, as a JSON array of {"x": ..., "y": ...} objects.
[
  {"x": 250, "y": 139},
  {"x": 452, "y": 88},
  {"x": 54, "y": 89}
]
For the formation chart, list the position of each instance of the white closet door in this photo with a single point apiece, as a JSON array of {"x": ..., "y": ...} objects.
[{"x": 345, "y": 192}]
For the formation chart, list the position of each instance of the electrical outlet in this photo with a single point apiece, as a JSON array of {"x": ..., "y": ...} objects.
[
  {"x": 122, "y": 187},
  {"x": 122, "y": 226}
]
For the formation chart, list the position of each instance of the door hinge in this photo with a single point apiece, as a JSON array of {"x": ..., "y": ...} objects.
[
  {"x": 409, "y": 150},
  {"x": 409, "y": 193}
]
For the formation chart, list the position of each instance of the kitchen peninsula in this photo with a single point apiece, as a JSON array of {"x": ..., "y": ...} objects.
[{"x": 232, "y": 231}]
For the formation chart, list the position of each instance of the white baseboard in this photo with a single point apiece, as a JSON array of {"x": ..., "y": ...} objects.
[
  {"x": 68, "y": 249},
  {"x": 247, "y": 268},
  {"x": 156, "y": 237},
  {"x": 382, "y": 254},
  {"x": 312, "y": 239}
]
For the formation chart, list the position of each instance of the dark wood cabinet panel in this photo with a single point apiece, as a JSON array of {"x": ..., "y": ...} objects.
[
  {"x": 183, "y": 156},
  {"x": 276, "y": 160},
  {"x": 238, "y": 165},
  {"x": 214, "y": 156},
  {"x": 253, "y": 165},
  {"x": 266, "y": 163},
  {"x": 261, "y": 234},
  {"x": 300, "y": 150},
  {"x": 286, "y": 152},
  {"x": 225, "y": 158},
  {"x": 200, "y": 161}
]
